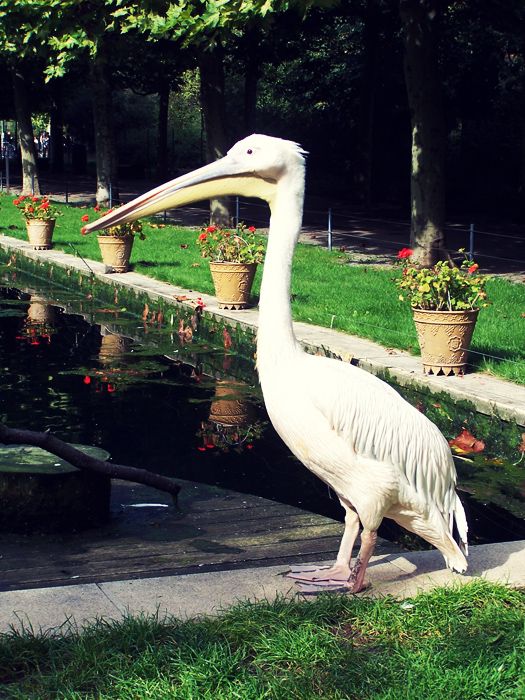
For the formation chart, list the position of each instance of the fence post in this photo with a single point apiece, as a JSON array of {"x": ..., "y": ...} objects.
[
  {"x": 330, "y": 229},
  {"x": 471, "y": 242},
  {"x": 33, "y": 184},
  {"x": 236, "y": 211},
  {"x": 67, "y": 192},
  {"x": 7, "y": 183}
]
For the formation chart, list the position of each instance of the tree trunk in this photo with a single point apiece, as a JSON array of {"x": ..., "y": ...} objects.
[
  {"x": 162, "y": 137},
  {"x": 419, "y": 19},
  {"x": 26, "y": 137},
  {"x": 50, "y": 443},
  {"x": 211, "y": 68},
  {"x": 104, "y": 136},
  {"x": 252, "y": 74},
  {"x": 56, "y": 141},
  {"x": 368, "y": 98}
]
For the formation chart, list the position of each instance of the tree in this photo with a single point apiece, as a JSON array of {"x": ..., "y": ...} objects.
[
  {"x": 420, "y": 19},
  {"x": 21, "y": 57}
]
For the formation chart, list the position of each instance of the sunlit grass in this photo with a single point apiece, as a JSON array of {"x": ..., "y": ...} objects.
[
  {"x": 466, "y": 643},
  {"x": 326, "y": 289}
]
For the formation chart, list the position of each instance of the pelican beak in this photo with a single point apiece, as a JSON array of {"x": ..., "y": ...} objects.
[{"x": 224, "y": 177}]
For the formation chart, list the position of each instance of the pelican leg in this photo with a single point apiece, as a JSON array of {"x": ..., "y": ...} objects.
[
  {"x": 340, "y": 572},
  {"x": 357, "y": 574}
]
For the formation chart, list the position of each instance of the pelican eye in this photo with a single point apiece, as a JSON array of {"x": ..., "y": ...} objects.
[{"x": 249, "y": 151}]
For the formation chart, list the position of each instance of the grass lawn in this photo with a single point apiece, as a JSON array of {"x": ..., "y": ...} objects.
[
  {"x": 465, "y": 643},
  {"x": 327, "y": 291}
]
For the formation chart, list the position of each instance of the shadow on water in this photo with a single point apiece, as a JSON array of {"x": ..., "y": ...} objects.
[{"x": 160, "y": 395}]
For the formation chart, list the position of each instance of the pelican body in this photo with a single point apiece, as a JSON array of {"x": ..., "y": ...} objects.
[{"x": 381, "y": 456}]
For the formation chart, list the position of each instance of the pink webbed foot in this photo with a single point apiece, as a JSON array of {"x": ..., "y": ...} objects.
[
  {"x": 336, "y": 579},
  {"x": 337, "y": 574}
]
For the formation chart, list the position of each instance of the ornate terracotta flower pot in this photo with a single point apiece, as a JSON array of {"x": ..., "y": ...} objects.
[
  {"x": 116, "y": 252},
  {"x": 233, "y": 282},
  {"x": 227, "y": 409},
  {"x": 40, "y": 233},
  {"x": 444, "y": 338}
]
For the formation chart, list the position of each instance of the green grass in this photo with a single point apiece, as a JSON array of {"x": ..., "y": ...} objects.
[
  {"x": 327, "y": 291},
  {"x": 465, "y": 643}
]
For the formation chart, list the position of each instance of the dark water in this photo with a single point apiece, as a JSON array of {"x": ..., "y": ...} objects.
[{"x": 154, "y": 407}]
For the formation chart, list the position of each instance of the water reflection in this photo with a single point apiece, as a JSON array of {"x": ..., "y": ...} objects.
[
  {"x": 41, "y": 322},
  {"x": 169, "y": 405},
  {"x": 232, "y": 423}
]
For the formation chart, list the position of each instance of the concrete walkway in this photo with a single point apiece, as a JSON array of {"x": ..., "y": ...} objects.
[{"x": 399, "y": 575}]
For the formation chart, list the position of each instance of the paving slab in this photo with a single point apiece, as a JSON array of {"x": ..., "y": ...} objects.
[{"x": 49, "y": 608}]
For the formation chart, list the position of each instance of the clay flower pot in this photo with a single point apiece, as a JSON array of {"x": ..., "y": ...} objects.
[
  {"x": 116, "y": 252},
  {"x": 40, "y": 233},
  {"x": 233, "y": 282},
  {"x": 444, "y": 338}
]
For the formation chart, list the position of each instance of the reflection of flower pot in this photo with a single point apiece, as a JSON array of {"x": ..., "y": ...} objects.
[
  {"x": 233, "y": 282},
  {"x": 113, "y": 346},
  {"x": 40, "y": 311},
  {"x": 116, "y": 251},
  {"x": 444, "y": 338},
  {"x": 40, "y": 233},
  {"x": 227, "y": 410}
]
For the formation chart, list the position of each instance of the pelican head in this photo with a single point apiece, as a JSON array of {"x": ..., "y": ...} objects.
[{"x": 251, "y": 168}]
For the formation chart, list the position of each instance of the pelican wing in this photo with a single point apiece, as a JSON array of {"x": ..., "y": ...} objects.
[{"x": 377, "y": 423}]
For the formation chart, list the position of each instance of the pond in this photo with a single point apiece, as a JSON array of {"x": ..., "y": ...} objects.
[{"x": 172, "y": 396}]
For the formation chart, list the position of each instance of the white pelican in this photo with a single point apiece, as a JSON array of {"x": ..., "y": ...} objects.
[{"x": 380, "y": 455}]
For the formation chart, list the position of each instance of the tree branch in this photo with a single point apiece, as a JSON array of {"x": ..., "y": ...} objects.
[{"x": 50, "y": 443}]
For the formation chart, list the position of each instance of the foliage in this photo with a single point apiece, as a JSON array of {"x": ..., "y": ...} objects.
[
  {"x": 132, "y": 228},
  {"x": 464, "y": 642},
  {"x": 226, "y": 245},
  {"x": 443, "y": 287},
  {"x": 36, "y": 208}
]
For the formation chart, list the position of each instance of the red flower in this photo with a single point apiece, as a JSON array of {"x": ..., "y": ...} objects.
[
  {"x": 405, "y": 253},
  {"x": 44, "y": 205},
  {"x": 203, "y": 236},
  {"x": 34, "y": 199},
  {"x": 85, "y": 218},
  {"x": 83, "y": 231},
  {"x": 87, "y": 379},
  {"x": 30, "y": 209},
  {"x": 473, "y": 268},
  {"x": 211, "y": 229},
  {"x": 16, "y": 202},
  {"x": 22, "y": 197},
  {"x": 201, "y": 449},
  {"x": 96, "y": 208},
  {"x": 252, "y": 229}
]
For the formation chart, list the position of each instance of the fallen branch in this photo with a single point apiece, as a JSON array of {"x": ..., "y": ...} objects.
[{"x": 50, "y": 443}]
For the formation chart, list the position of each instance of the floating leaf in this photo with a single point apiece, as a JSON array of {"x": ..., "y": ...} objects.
[{"x": 466, "y": 443}]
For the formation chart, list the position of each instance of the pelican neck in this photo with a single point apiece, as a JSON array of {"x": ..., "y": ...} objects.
[{"x": 275, "y": 336}]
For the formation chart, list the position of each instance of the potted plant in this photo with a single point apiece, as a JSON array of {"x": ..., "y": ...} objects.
[
  {"x": 445, "y": 301},
  {"x": 40, "y": 216},
  {"x": 116, "y": 242},
  {"x": 234, "y": 256}
]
